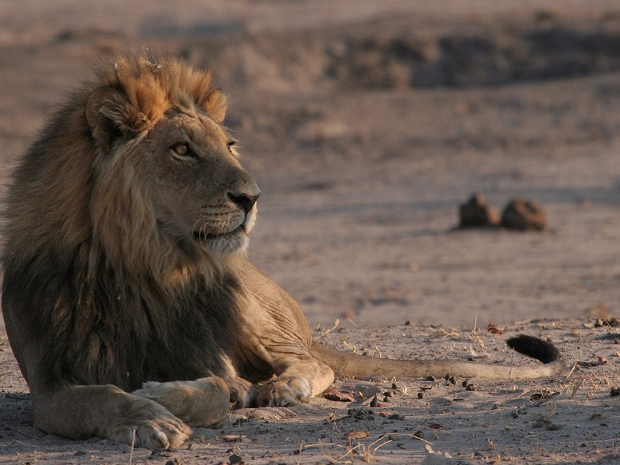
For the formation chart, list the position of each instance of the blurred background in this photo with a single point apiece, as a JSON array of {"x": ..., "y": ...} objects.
[{"x": 367, "y": 123}]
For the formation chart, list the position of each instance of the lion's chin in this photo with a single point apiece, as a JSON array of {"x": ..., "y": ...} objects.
[
  {"x": 224, "y": 244},
  {"x": 230, "y": 242}
]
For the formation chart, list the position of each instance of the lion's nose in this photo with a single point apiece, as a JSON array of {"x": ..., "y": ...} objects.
[{"x": 244, "y": 200}]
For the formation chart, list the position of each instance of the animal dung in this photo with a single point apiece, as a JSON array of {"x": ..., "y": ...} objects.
[
  {"x": 524, "y": 215},
  {"x": 476, "y": 213},
  {"x": 519, "y": 215}
]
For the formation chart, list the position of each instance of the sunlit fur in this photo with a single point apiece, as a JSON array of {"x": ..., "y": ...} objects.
[
  {"x": 88, "y": 269},
  {"x": 124, "y": 263}
]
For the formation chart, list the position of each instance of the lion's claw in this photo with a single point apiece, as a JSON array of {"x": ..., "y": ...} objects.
[
  {"x": 159, "y": 433},
  {"x": 283, "y": 392}
]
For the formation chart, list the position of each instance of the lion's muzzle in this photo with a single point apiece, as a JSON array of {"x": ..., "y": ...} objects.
[{"x": 245, "y": 200}]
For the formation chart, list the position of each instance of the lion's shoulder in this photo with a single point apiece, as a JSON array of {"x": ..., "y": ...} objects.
[{"x": 91, "y": 277}]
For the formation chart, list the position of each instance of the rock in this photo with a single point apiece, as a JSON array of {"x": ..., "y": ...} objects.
[
  {"x": 356, "y": 434},
  {"x": 361, "y": 414},
  {"x": 476, "y": 213},
  {"x": 437, "y": 458},
  {"x": 524, "y": 215}
]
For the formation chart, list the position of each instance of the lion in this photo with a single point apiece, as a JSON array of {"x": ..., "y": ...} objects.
[{"x": 128, "y": 298}]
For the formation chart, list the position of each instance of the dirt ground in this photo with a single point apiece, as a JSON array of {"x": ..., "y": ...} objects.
[
  {"x": 569, "y": 419},
  {"x": 366, "y": 124}
]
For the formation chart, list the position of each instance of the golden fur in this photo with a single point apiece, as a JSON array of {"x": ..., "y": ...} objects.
[{"x": 125, "y": 270}]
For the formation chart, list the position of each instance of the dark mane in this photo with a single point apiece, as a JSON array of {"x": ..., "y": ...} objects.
[{"x": 87, "y": 273}]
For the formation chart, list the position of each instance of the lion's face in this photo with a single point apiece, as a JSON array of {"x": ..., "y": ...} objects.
[
  {"x": 166, "y": 183},
  {"x": 200, "y": 192}
]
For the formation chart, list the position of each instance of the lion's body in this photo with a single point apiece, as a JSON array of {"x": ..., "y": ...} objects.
[{"x": 124, "y": 264}]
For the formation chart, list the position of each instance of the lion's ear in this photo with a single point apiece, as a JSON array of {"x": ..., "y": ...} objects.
[
  {"x": 111, "y": 116},
  {"x": 215, "y": 106}
]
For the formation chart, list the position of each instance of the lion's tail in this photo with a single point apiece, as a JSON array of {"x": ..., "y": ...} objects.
[{"x": 362, "y": 367}]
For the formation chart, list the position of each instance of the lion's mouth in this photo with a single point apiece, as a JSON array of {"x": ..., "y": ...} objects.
[{"x": 201, "y": 235}]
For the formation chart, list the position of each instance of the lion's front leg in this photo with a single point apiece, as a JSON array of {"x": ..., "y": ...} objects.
[
  {"x": 106, "y": 411},
  {"x": 202, "y": 403},
  {"x": 301, "y": 380}
]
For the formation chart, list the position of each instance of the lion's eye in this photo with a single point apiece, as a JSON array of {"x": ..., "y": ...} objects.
[
  {"x": 181, "y": 149},
  {"x": 231, "y": 143}
]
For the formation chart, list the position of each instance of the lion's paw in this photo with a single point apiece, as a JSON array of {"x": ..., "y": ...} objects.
[
  {"x": 202, "y": 403},
  {"x": 166, "y": 432},
  {"x": 284, "y": 391},
  {"x": 242, "y": 393}
]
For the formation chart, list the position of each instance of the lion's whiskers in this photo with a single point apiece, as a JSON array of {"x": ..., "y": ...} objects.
[{"x": 195, "y": 224}]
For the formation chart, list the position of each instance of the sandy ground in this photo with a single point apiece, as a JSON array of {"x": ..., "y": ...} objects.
[
  {"x": 366, "y": 124},
  {"x": 570, "y": 418}
]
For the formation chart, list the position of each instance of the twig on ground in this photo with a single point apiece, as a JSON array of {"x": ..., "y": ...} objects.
[
  {"x": 576, "y": 387},
  {"x": 15, "y": 441},
  {"x": 452, "y": 333},
  {"x": 327, "y": 331},
  {"x": 351, "y": 348},
  {"x": 301, "y": 448},
  {"x": 568, "y": 375},
  {"x": 133, "y": 441},
  {"x": 21, "y": 432}
]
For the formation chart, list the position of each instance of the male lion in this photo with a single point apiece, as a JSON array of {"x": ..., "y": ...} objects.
[{"x": 125, "y": 270}]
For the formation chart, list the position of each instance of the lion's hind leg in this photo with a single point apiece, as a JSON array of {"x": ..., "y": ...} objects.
[{"x": 202, "y": 403}]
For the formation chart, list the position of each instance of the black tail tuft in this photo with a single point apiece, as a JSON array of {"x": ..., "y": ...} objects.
[{"x": 534, "y": 347}]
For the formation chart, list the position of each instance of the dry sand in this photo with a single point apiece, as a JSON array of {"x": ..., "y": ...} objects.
[
  {"x": 567, "y": 419},
  {"x": 366, "y": 124}
]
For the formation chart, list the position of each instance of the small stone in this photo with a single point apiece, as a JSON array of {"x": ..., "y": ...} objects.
[
  {"x": 614, "y": 392},
  {"x": 124, "y": 448},
  {"x": 418, "y": 434},
  {"x": 540, "y": 423},
  {"x": 356, "y": 434},
  {"x": 420, "y": 395}
]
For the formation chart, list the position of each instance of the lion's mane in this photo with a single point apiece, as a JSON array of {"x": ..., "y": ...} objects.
[{"x": 87, "y": 273}]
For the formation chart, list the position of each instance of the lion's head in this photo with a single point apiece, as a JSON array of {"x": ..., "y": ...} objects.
[{"x": 149, "y": 174}]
